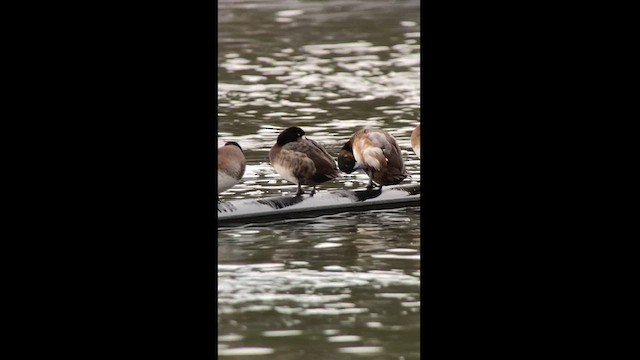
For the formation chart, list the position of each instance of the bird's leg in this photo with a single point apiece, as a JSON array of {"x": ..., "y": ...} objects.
[
  {"x": 370, "y": 186},
  {"x": 300, "y": 192},
  {"x": 314, "y": 190}
]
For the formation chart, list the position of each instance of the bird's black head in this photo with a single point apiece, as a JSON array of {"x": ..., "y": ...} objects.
[
  {"x": 289, "y": 135},
  {"x": 233, "y": 143},
  {"x": 346, "y": 160}
]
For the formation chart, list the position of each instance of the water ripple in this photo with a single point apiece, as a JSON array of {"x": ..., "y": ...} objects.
[{"x": 336, "y": 286}]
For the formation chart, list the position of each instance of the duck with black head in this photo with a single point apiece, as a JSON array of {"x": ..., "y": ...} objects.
[
  {"x": 377, "y": 153},
  {"x": 301, "y": 160},
  {"x": 231, "y": 165},
  {"x": 415, "y": 140}
]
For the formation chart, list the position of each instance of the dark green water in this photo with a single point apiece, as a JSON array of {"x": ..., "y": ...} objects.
[{"x": 336, "y": 287}]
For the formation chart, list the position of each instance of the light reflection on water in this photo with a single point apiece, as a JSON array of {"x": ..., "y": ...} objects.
[
  {"x": 284, "y": 277},
  {"x": 337, "y": 286}
]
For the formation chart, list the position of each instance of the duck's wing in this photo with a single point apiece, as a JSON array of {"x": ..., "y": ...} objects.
[
  {"x": 319, "y": 147},
  {"x": 316, "y": 152},
  {"x": 327, "y": 168},
  {"x": 392, "y": 145},
  {"x": 396, "y": 155}
]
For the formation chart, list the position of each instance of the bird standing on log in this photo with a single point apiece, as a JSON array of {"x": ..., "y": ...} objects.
[
  {"x": 231, "y": 165},
  {"x": 301, "y": 160},
  {"x": 377, "y": 153}
]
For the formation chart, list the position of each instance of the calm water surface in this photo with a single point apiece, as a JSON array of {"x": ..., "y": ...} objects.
[{"x": 342, "y": 286}]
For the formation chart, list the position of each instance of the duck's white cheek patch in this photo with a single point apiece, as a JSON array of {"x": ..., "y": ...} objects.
[
  {"x": 417, "y": 150},
  {"x": 225, "y": 181},
  {"x": 286, "y": 173}
]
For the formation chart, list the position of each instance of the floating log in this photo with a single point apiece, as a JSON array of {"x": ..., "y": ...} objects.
[{"x": 276, "y": 208}]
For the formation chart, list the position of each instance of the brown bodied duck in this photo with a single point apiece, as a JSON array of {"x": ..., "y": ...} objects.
[
  {"x": 301, "y": 160},
  {"x": 231, "y": 165},
  {"x": 377, "y": 153}
]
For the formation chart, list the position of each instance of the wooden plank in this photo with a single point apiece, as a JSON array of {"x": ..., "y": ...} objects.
[{"x": 269, "y": 209}]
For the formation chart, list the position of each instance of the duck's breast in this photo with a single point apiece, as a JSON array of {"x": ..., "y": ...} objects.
[{"x": 225, "y": 181}]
